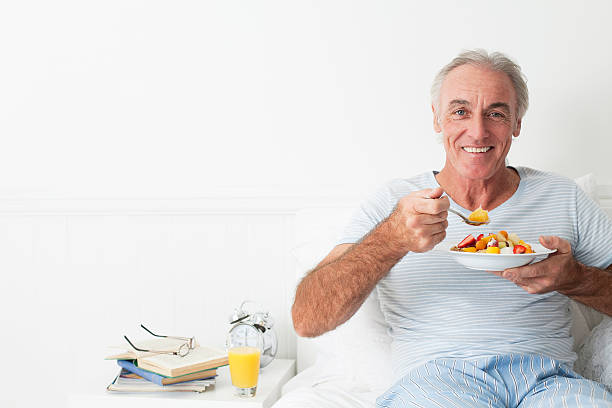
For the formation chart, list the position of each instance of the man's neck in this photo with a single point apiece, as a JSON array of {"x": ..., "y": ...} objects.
[{"x": 471, "y": 194}]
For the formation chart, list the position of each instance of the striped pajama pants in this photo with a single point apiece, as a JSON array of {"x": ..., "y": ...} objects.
[{"x": 515, "y": 380}]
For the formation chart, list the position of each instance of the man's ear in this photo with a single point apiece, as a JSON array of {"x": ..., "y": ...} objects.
[
  {"x": 436, "y": 122},
  {"x": 517, "y": 130}
]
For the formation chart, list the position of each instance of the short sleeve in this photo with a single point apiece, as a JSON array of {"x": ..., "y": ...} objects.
[
  {"x": 594, "y": 244},
  {"x": 369, "y": 214}
]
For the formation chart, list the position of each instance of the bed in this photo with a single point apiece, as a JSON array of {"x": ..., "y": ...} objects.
[{"x": 351, "y": 365}]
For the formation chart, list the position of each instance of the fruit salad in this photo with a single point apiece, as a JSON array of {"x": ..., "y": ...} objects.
[{"x": 494, "y": 243}]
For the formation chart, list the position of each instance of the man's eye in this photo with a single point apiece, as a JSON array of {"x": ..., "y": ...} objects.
[
  {"x": 460, "y": 112},
  {"x": 497, "y": 115}
]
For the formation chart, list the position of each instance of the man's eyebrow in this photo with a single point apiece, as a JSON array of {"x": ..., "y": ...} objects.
[
  {"x": 502, "y": 105},
  {"x": 458, "y": 102}
]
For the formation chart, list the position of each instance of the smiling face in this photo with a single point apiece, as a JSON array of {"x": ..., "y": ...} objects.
[{"x": 477, "y": 116}]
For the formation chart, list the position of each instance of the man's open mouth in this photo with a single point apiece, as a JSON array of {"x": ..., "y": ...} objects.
[{"x": 477, "y": 149}]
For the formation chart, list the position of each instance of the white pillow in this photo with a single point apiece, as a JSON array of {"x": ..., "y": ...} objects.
[
  {"x": 595, "y": 354},
  {"x": 594, "y": 347},
  {"x": 358, "y": 350},
  {"x": 588, "y": 184},
  {"x": 585, "y": 318}
]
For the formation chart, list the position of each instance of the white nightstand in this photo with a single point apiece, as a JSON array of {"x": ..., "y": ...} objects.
[{"x": 271, "y": 379}]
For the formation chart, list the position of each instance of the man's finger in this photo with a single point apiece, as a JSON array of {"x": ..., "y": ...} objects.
[
  {"x": 553, "y": 242},
  {"x": 434, "y": 206},
  {"x": 433, "y": 192},
  {"x": 439, "y": 237},
  {"x": 517, "y": 279},
  {"x": 429, "y": 219},
  {"x": 522, "y": 272},
  {"x": 531, "y": 287}
]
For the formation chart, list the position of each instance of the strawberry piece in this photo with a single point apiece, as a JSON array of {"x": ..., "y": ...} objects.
[
  {"x": 479, "y": 237},
  {"x": 467, "y": 241},
  {"x": 519, "y": 249}
]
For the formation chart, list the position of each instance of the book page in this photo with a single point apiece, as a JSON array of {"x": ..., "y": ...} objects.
[{"x": 198, "y": 355}]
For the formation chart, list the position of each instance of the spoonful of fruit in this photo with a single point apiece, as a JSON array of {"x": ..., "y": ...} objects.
[{"x": 476, "y": 218}]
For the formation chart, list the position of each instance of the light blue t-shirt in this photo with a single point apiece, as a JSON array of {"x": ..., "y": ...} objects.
[{"x": 437, "y": 308}]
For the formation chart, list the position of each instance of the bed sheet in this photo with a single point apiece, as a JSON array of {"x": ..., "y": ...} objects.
[
  {"x": 320, "y": 386},
  {"x": 326, "y": 396}
]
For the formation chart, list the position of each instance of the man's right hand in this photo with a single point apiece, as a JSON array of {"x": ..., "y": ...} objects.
[{"x": 419, "y": 220}]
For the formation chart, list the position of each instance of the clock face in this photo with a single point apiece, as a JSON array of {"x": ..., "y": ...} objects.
[
  {"x": 245, "y": 335},
  {"x": 250, "y": 334}
]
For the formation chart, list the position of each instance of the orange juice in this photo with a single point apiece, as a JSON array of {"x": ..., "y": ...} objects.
[{"x": 244, "y": 366}]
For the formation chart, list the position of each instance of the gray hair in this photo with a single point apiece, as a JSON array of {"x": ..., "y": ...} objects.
[{"x": 495, "y": 61}]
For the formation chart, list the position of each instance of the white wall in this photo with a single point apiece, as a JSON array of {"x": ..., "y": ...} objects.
[
  {"x": 78, "y": 275},
  {"x": 159, "y": 98},
  {"x": 219, "y": 111}
]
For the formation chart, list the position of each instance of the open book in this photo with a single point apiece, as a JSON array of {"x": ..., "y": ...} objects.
[{"x": 199, "y": 359}]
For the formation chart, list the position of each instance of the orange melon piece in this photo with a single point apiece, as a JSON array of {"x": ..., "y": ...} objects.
[
  {"x": 479, "y": 215},
  {"x": 482, "y": 243}
]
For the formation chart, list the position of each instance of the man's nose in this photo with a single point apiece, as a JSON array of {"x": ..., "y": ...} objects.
[{"x": 477, "y": 127}]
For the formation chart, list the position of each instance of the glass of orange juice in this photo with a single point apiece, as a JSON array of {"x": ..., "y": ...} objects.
[{"x": 244, "y": 345}]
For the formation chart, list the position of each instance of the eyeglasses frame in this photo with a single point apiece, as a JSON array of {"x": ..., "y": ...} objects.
[{"x": 183, "y": 350}]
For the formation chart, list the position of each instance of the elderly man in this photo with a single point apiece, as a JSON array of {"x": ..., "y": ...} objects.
[{"x": 461, "y": 337}]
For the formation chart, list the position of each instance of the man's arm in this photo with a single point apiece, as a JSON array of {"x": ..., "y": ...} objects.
[
  {"x": 561, "y": 272},
  {"x": 331, "y": 293},
  {"x": 594, "y": 290}
]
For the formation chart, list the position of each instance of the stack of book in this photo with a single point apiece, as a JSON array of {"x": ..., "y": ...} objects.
[{"x": 151, "y": 372}]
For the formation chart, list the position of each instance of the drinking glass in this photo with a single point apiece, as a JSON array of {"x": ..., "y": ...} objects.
[{"x": 244, "y": 347}]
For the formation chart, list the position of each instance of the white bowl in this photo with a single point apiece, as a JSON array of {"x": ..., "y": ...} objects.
[{"x": 494, "y": 262}]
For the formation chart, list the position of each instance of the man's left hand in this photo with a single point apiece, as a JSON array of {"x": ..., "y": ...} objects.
[{"x": 559, "y": 272}]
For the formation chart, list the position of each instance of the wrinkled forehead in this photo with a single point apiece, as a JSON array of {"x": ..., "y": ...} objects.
[{"x": 477, "y": 85}]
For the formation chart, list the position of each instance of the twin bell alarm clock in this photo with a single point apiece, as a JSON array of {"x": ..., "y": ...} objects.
[{"x": 253, "y": 329}]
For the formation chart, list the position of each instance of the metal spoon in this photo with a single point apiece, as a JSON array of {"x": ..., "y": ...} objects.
[{"x": 466, "y": 219}]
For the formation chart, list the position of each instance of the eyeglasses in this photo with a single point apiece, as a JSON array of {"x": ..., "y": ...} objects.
[{"x": 183, "y": 350}]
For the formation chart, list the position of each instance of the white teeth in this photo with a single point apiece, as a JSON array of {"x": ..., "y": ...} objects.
[{"x": 476, "y": 149}]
